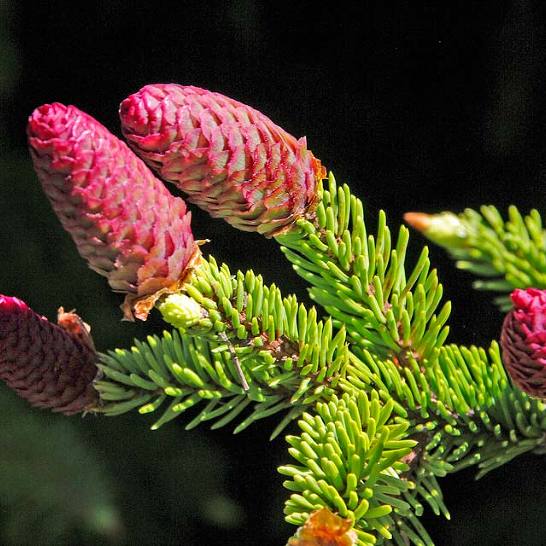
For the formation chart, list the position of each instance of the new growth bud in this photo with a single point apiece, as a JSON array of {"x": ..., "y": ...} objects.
[
  {"x": 181, "y": 311},
  {"x": 445, "y": 229},
  {"x": 523, "y": 341},
  {"x": 230, "y": 159},
  {"x": 44, "y": 363},
  {"x": 123, "y": 220}
]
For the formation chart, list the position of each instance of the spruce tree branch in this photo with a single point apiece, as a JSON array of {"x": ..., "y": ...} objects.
[
  {"x": 240, "y": 344},
  {"x": 349, "y": 458},
  {"x": 506, "y": 254},
  {"x": 385, "y": 412},
  {"x": 455, "y": 403},
  {"x": 462, "y": 409},
  {"x": 361, "y": 280}
]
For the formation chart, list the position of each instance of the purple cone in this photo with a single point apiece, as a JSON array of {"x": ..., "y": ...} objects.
[
  {"x": 44, "y": 363},
  {"x": 523, "y": 341}
]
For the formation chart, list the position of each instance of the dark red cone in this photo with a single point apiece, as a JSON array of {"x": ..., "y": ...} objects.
[
  {"x": 44, "y": 363},
  {"x": 523, "y": 341}
]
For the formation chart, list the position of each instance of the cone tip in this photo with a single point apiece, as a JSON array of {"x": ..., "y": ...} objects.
[{"x": 8, "y": 303}]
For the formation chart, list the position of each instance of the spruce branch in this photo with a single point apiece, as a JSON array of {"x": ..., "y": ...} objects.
[
  {"x": 385, "y": 407},
  {"x": 182, "y": 372},
  {"x": 349, "y": 459},
  {"x": 506, "y": 254},
  {"x": 414, "y": 402},
  {"x": 361, "y": 279},
  {"x": 501, "y": 423},
  {"x": 288, "y": 358},
  {"x": 462, "y": 408},
  {"x": 462, "y": 411}
]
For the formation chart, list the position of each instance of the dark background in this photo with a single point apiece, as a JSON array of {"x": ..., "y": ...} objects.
[{"x": 417, "y": 105}]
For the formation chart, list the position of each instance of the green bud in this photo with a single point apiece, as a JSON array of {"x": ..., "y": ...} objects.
[
  {"x": 445, "y": 229},
  {"x": 181, "y": 311}
]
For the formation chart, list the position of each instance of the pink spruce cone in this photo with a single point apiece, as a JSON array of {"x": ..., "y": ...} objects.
[
  {"x": 123, "y": 220},
  {"x": 523, "y": 341},
  {"x": 44, "y": 363},
  {"x": 230, "y": 159}
]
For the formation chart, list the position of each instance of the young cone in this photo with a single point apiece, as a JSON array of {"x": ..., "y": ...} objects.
[
  {"x": 44, "y": 363},
  {"x": 123, "y": 220},
  {"x": 230, "y": 159},
  {"x": 523, "y": 341}
]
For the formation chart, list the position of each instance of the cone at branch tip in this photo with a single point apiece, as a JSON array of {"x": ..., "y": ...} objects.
[
  {"x": 230, "y": 159},
  {"x": 124, "y": 221},
  {"x": 523, "y": 341},
  {"x": 44, "y": 363}
]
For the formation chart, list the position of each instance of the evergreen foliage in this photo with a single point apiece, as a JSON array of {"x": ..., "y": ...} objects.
[
  {"x": 287, "y": 357},
  {"x": 384, "y": 406},
  {"x": 361, "y": 279},
  {"x": 349, "y": 460},
  {"x": 383, "y": 413},
  {"x": 506, "y": 253}
]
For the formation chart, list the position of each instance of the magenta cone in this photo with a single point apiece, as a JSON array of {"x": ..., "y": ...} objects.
[
  {"x": 123, "y": 220},
  {"x": 523, "y": 341},
  {"x": 230, "y": 159}
]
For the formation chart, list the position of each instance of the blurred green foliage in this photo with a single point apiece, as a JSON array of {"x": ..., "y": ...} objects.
[{"x": 52, "y": 483}]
